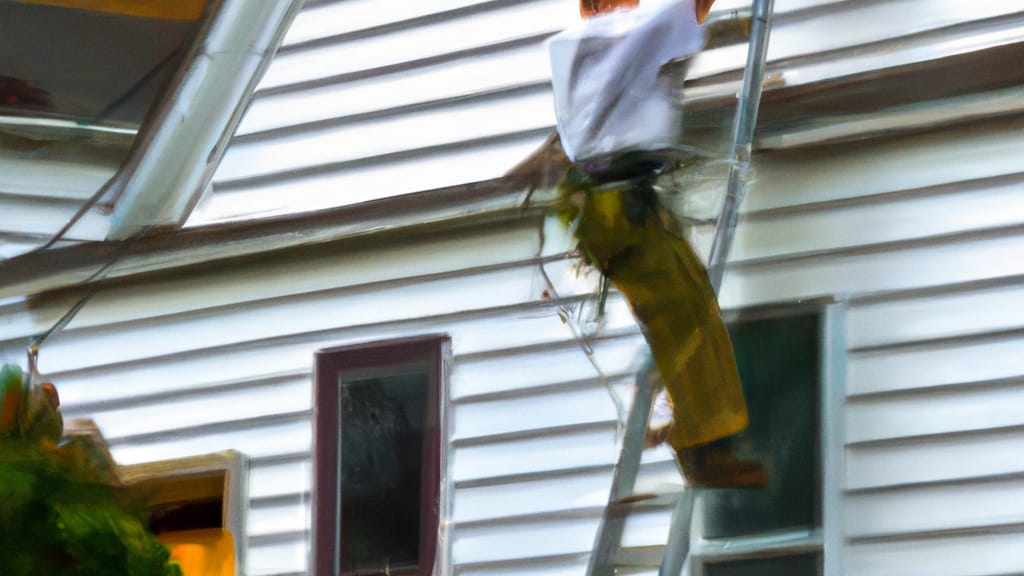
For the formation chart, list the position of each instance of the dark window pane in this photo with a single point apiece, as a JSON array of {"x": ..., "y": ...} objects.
[
  {"x": 778, "y": 361},
  {"x": 803, "y": 565},
  {"x": 381, "y": 452}
]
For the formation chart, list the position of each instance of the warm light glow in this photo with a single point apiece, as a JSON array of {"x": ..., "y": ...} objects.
[
  {"x": 167, "y": 9},
  {"x": 202, "y": 552}
]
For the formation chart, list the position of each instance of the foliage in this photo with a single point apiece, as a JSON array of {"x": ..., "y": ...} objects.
[{"x": 60, "y": 515}]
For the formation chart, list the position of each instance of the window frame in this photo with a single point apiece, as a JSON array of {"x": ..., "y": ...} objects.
[
  {"x": 825, "y": 539},
  {"x": 430, "y": 354}
]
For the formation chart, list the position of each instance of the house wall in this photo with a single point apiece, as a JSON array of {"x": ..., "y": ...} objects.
[
  {"x": 373, "y": 98},
  {"x": 221, "y": 358},
  {"x": 922, "y": 234}
]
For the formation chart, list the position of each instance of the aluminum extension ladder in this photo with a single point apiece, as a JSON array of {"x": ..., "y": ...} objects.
[{"x": 609, "y": 534}]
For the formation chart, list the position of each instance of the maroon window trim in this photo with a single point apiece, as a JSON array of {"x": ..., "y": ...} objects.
[{"x": 432, "y": 352}]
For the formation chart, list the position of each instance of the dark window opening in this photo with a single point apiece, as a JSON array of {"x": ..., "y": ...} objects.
[
  {"x": 196, "y": 515},
  {"x": 185, "y": 500},
  {"x": 777, "y": 528},
  {"x": 377, "y": 457},
  {"x": 799, "y": 565},
  {"x": 381, "y": 480},
  {"x": 779, "y": 364}
]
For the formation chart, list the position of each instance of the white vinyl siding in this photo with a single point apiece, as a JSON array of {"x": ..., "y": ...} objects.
[
  {"x": 221, "y": 358},
  {"x": 928, "y": 251},
  {"x": 922, "y": 234},
  {"x": 373, "y": 99}
]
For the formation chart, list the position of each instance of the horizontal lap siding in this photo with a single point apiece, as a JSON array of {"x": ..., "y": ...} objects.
[
  {"x": 925, "y": 236},
  {"x": 366, "y": 100},
  {"x": 372, "y": 99},
  {"x": 44, "y": 183},
  {"x": 221, "y": 358},
  {"x": 980, "y": 553}
]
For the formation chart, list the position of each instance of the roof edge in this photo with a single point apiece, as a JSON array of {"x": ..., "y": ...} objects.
[{"x": 168, "y": 248}]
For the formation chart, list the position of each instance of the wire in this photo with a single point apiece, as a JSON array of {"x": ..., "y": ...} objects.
[
  {"x": 37, "y": 342},
  {"x": 578, "y": 333},
  {"x": 77, "y": 216},
  {"x": 104, "y": 113}
]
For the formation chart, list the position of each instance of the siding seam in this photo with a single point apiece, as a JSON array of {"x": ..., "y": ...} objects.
[
  {"x": 873, "y": 199},
  {"x": 486, "y": 481},
  {"x": 996, "y": 232},
  {"x": 532, "y": 433},
  {"x": 980, "y": 479},
  {"x": 988, "y": 336},
  {"x": 989, "y": 529},
  {"x": 404, "y": 66},
  {"x": 305, "y": 128},
  {"x": 917, "y": 438},
  {"x": 211, "y": 428},
  {"x": 888, "y": 296},
  {"x": 402, "y": 25},
  {"x": 613, "y": 379},
  {"x": 973, "y": 385},
  {"x": 387, "y": 158},
  {"x": 523, "y": 561}
]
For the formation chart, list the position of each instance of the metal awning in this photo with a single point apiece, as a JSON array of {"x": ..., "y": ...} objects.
[{"x": 113, "y": 111}]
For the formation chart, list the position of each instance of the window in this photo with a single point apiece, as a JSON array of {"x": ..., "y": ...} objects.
[
  {"x": 789, "y": 382},
  {"x": 377, "y": 457}
]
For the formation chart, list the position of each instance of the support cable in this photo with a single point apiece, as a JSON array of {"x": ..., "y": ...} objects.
[
  {"x": 93, "y": 280},
  {"x": 117, "y": 176}
]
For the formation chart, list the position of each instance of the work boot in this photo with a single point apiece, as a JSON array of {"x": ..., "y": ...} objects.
[{"x": 716, "y": 465}]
